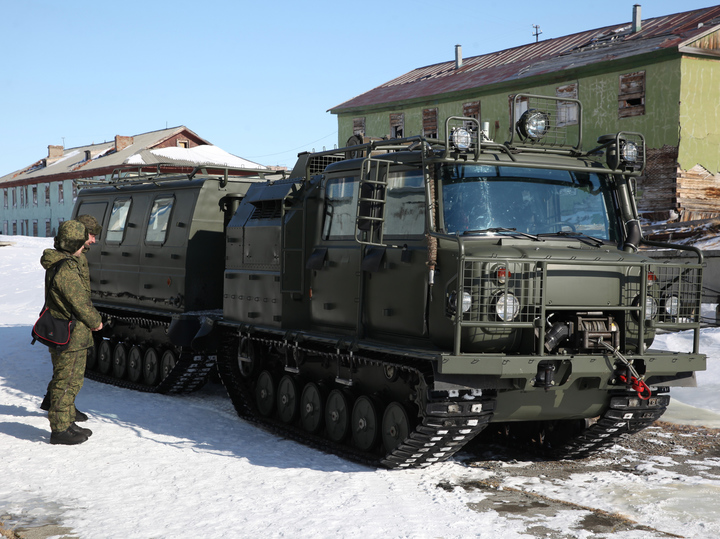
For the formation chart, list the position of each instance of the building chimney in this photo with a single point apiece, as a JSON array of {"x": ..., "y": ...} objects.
[
  {"x": 458, "y": 56},
  {"x": 122, "y": 142},
  {"x": 55, "y": 152},
  {"x": 637, "y": 23}
]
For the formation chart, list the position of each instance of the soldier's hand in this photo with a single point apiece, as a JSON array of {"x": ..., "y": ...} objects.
[{"x": 99, "y": 327}]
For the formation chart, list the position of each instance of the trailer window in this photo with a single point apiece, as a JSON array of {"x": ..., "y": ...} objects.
[
  {"x": 118, "y": 220},
  {"x": 157, "y": 227}
]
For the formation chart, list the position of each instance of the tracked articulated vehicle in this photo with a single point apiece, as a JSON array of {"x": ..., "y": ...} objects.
[{"x": 391, "y": 300}]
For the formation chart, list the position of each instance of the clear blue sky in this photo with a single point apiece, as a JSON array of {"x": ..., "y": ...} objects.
[{"x": 255, "y": 78}]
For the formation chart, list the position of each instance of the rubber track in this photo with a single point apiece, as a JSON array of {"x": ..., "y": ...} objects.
[
  {"x": 190, "y": 373},
  {"x": 435, "y": 439}
]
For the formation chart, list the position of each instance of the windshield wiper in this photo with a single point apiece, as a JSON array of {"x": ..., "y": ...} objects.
[
  {"x": 595, "y": 242},
  {"x": 497, "y": 230}
]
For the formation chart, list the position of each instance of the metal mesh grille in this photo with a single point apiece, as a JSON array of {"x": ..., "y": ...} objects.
[
  {"x": 556, "y": 120},
  {"x": 500, "y": 289}
]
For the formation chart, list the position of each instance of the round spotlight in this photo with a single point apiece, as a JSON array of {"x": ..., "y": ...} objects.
[
  {"x": 461, "y": 138},
  {"x": 534, "y": 124},
  {"x": 629, "y": 151}
]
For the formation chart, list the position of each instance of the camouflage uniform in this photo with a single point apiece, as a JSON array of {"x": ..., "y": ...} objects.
[
  {"x": 93, "y": 227},
  {"x": 69, "y": 296}
]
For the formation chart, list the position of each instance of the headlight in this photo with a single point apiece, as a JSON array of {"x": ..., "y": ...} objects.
[
  {"x": 534, "y": 124},
  {"x": 506, "y": 306},
  {"x": 461, "y": 138},
  {"x": 651, "y": 307},
  {"x": 671, "y": 305},
  {"x": 452, "y": 302}
]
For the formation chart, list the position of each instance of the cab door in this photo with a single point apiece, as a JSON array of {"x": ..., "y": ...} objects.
[
  {"x": 395, "y": 273},
  {"x": 334, "y": 262}
]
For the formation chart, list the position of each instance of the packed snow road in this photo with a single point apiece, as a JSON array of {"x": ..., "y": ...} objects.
[{"x": 168, "y": 466}]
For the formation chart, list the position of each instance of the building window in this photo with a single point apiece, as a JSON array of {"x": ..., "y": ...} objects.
[
  {"x": 397, "y": 125},
  {"x": 430, "y": 123},
  {"x": 14, "y": 197},
  {"x": 6, "y": 198},
  {"x": 567, "y": 111},
  {"x": 22, "y": 197},
  {"x": 359, "y": 126},
  {"x": 5, "y": 228},
  {"x": 47, "y": 194},
  {"x": 631, "y": 97},
  {"x": 61, "y": 196},
  {"x": 14, "y": 228},
  {"x": 74, "y": 191},
  {"x": 34, "y": 195},
  {"x": 48, "y": 228},
  {"x": 183, "y": 144},
  {"x": 471, "y": 109},
  {"x": 35, "y": 228}
]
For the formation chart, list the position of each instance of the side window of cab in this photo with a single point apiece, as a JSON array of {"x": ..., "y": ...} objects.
[
  {"x": 118, "y": 220},
  {"x": 405, "y": 204}
]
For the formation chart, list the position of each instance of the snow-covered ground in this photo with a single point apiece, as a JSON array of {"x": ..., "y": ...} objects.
[{"x": 169, "y": 466}]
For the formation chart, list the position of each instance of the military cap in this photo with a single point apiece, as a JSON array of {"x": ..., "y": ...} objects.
[
  {"x": 92, "y": 225},
  {"x": 71, "y": 236}
]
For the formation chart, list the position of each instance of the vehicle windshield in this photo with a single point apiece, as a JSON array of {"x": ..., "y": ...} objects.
[{"x": 534, "y": 201}]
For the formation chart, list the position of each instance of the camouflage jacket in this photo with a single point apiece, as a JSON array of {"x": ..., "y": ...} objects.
[{"x": 69, "y": 296}]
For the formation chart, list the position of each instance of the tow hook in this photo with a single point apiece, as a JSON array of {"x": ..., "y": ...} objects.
[{"x": 545, "y": 375}]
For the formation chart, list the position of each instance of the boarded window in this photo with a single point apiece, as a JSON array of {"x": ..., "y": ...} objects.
[
  {"x": 397, "y": 125},
  {"x": 5, "y": 198},
  {"x": 359, "y": 126},
  {"x": 35, "y": 228},
  {"x": 471, "y": 109},
  {"x": 34, "y": 195},
  {"x": 61, "y": 196},
  {"x": 567, "y": 111},
  {"x": 48, "y": 229},
  {"x": 430, "y": 123},
  {"x": 47, "y": 194},
  {"x": 631, "y": 97}
]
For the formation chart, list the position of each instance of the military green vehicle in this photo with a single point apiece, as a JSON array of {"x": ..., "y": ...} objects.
[
  {"x": 160, "y": 254},
  {"x": 392, "y": 299}
]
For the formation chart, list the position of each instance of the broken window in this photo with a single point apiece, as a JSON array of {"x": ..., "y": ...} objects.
[
  {"x": 430, "y": 123},
  {"x": 631, "y": 97},
  {"x": 397, "y": 125},
  {"x": 567, "y": 111},
  {"x": 359, "y": 126}
]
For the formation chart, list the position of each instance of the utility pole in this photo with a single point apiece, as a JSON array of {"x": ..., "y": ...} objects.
[{"x": 537, "y": 32}]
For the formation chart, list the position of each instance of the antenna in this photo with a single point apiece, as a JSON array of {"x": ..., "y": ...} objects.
[{"x": 537, "y": 32}]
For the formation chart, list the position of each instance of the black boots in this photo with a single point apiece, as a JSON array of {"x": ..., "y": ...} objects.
[
  {"x": 79, "y": 416},
  {"x": 81, "y": 430},
  {"x": 69, "y": 436}
]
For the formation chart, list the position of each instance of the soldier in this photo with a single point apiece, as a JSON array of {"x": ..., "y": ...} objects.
[
  {"x": 68, "y": 296},
  {"x": 94, "y": 229}
]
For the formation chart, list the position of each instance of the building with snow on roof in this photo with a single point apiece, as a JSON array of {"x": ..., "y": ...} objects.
[{"x": 36, "y": 199}]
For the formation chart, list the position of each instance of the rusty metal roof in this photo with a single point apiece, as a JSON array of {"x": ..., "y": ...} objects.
[{"x": 670, "y": 32}]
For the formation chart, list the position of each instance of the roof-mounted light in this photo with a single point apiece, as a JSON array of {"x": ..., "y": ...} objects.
[
  {"x": 533, "y": 124},
  {"x": 461, "y": 138}
]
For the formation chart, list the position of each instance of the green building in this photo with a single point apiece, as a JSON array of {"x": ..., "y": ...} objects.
[{"x": 659, "y": 77}]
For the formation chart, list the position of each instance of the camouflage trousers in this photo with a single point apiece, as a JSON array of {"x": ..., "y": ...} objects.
[{"x": 67, "y": 380}]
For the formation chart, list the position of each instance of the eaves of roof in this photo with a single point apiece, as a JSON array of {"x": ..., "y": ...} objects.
[{"x": 671, "y": 33}]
